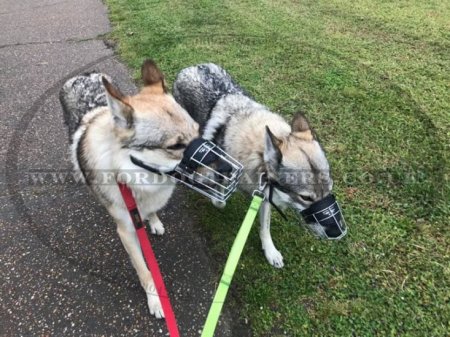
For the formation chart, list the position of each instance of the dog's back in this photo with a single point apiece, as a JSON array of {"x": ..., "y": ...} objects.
[
  {"x": 80, "y": 95},
  {"x": 198, "y": 88}
]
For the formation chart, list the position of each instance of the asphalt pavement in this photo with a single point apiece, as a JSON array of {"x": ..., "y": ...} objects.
[{"x": 63, "y": 270}]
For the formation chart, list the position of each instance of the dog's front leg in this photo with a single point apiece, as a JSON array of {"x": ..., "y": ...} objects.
[
  {"x": 130, "y": 241},
  {"x": 156, "y": 225},
  {"x": 272, "y": 254}
]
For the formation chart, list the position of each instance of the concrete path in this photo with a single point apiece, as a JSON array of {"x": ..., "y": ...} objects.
[{"x": 63, "y": 271}]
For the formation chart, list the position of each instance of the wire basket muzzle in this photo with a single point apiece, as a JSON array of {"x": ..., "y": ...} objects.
[
  {"x": 209, "y": 170},
  {"x": 325, "y": 219}
]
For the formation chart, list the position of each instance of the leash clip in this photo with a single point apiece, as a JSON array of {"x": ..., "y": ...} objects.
[
  {"x": 262, "y": 185},
  {"x": 259, "y": 193},
  {"x": 263, "y": 182}
]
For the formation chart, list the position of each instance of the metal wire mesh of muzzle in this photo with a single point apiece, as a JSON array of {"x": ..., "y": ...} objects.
[{"x": 209, "y": 170}]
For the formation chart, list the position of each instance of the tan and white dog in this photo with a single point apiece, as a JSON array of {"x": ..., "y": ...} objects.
[
  {"x": 289, "y": 155},
  {"x": 105, "y": 129}
]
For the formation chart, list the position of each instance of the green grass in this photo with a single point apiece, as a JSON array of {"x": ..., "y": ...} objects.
[{"x": 374, "y": 80}]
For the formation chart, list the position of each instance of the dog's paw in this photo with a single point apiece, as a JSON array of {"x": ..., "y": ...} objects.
[
  {"x": 274, "y": 257},
  {"x": 219, "y": 204},
  {"x": 157, "y": 228},
  {"x": 154, "y": 305}
]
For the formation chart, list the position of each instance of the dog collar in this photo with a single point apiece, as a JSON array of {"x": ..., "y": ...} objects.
[
  {"x": 264, "y": 182},
  {"x": 271, "y": 187}
]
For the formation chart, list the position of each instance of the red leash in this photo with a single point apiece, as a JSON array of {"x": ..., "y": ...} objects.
[{"x": 150, "y": 258}]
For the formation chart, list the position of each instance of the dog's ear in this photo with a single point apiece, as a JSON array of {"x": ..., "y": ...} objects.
[
  {"x": 152, "y": 76},
  {"x": 121, "y": 110},
  {"x": 300, "y": 127},
  {"x": 272, "y": 153}
]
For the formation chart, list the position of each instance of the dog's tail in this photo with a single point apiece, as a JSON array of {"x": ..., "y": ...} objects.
[
  {"x": 198, "y": 88},
  {"x": 79, "y": 95}
]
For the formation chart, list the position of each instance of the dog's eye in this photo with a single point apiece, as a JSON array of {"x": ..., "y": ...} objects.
[
  {"x": 306, "y": 198},
  {"x": 177, "y": 146}
]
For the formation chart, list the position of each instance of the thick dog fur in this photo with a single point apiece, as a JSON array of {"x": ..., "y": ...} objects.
[
  {"x": 262, "y": 141},
  {"x": 105, "y": 128}
]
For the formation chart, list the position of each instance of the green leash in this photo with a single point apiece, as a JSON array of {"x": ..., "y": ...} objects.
[{"x": 231, "y": 264}]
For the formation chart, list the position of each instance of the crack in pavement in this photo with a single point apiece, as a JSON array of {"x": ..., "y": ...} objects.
[{"x": 97, "y": 38}]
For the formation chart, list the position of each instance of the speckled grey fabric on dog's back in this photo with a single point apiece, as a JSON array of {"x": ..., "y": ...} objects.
[
  {"x": 80, "y": 95},
  {"x": 197, "y": 89}
]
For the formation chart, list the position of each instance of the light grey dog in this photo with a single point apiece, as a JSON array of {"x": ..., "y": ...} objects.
[{"x": 287, "y": 155}]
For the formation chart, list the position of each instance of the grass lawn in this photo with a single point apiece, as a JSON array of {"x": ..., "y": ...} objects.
[{"x": 374, "y": 79}]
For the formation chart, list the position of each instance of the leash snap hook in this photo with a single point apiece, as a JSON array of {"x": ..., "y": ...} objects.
[
  {"x": 262, "y": 181},
  {"x": 261, "y": 187}
]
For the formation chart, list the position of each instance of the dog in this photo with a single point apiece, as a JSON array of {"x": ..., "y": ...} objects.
[
  {"x": 106, "y": 129},
  {"x": 287, "y": 156}
]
